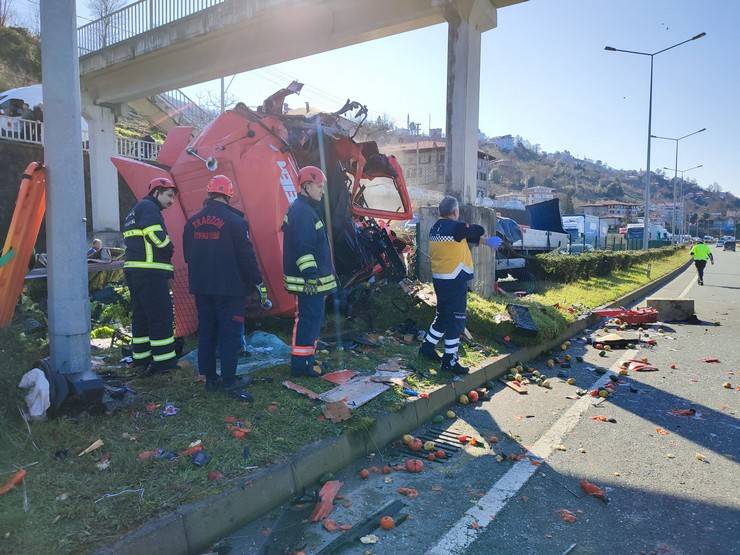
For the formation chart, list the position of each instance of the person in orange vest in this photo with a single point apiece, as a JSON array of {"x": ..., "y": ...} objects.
[{"x": 148, "y": 270}]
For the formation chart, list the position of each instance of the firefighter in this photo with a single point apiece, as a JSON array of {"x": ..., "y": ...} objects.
[
  {"x": 148, "y": 269},
  {"x": 308, "y": 269},
  {"x": 700, "y": 253},
  {"x": 222, "y": 272},
  {"x": 452, "y": 269}
]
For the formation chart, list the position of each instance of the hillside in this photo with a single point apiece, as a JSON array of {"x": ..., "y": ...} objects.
[
  {"x": 579, "y": 181},
  {"x": 20, "y": 58}
]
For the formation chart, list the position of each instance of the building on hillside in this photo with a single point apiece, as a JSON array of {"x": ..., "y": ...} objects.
[
  {"x": 423, "y": 164},
  {"x": 665, "y": 212},
  {"x": 507, "y": 143},
  {"x": 529, "y": 195},
  {"x": 620, "y": 212}
]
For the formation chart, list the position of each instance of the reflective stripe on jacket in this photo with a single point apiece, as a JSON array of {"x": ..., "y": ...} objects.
[
  {"x": 306, "y": 253},
  {"x": 148, "y": 246},
  {"x": 449, "y": 250}
]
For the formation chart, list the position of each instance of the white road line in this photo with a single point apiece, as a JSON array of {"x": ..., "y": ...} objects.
[
  {"x": 688, "y": 288},
  {"x": 459, "y": 537}
]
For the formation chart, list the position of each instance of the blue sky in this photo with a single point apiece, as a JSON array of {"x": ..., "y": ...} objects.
[{"x": 545, "y": 76}]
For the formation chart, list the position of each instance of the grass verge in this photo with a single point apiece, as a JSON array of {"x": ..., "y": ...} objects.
[{"x": 67, "y": 508}]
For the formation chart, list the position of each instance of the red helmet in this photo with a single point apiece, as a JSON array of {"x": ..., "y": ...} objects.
[
  {"x": 222, "y": 185},
  {"x": 311, "y": 174},
  {"x": 161, "y": 183}
]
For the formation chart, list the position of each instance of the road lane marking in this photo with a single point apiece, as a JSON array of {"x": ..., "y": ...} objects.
[
  {"x": 688, "y": 288},
  {"x": 462, "y": 534}
]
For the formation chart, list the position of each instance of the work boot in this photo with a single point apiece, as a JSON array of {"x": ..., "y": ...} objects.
[
  {"x": 451, "y": 363},
  {"x": 213, "y": 385},
  {"x": 313, "y": 371},
  {"x": 163, "y": 367},
  {"x": 427, "y": 351}
]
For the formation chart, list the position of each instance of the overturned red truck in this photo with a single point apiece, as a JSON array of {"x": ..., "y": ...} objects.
[{"x": 261, "y": 151}]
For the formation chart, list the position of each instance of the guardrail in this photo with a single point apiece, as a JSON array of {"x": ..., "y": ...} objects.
[
  {"x": 184, "y": 109},
  {"x": 29, "y": 131},
  {"x": 136, "y": 19}
]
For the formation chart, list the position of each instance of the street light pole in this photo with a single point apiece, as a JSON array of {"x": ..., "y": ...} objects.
[
  {"x": 646, "y": 219},
  {"x": 675, "y": 174},
  {"x": 683, "y": 226}
]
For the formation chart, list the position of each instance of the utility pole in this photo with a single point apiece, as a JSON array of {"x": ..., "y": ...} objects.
[{"x": 69, "y": 307}]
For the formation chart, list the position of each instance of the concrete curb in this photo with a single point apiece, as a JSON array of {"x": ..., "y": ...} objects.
[{"x": 194, "y": 527}]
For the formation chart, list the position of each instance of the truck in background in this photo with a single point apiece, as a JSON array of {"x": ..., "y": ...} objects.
[{"x": 585, "y": 229}]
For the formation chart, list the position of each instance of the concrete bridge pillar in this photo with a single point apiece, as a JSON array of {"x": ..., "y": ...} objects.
[
  {"x": 103, "y": 176},
  {"x": 467, "y": 20}
]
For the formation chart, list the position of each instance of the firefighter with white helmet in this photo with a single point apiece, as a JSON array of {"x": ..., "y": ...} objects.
[
  {"x": 148, "y": 269},
  {"x": 308, "y": 269},
  {"x": 222, "y": 272}
]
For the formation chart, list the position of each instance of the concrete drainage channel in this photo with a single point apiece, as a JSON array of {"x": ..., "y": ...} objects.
[{"x": 194, "y": 527}]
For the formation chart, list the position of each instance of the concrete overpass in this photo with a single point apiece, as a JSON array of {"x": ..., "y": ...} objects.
[{"x": 153, "y": 46}]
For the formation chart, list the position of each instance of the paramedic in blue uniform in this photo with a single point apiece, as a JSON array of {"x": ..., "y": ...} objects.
[
  {"x": 222, "y": 272},
  {"x": 452, "y": 269},
  {"x": 308, "y": 270},
  {"x": 148, "y": 270}
]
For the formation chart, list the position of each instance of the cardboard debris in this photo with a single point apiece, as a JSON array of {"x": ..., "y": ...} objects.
[
  {"x": 361, "y": 389},
  {"x": 421, "y": 292},
  {"x": 300, "y": 389},
  {"x": 336, "y": 412},
  {"x": 516, "y": 386},
  {"x": 339, "y": 377}
]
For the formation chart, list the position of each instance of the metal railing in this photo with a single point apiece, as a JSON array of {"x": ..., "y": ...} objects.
[
  {"x": 183, "y": 109},
  {"x": 29, "y": 131},
  {"x": 136, "y": 19}
]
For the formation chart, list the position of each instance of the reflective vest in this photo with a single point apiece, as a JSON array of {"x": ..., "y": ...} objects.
[
  {"x": 449, "y": 250},
  {"x": 306, "y": 253},
  {"x": 148, "y": 247},
  {"x": 701, "y": 251}
]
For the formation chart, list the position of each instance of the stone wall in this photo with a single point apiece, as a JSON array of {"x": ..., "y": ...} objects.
[{"x": 484, "y": 258}]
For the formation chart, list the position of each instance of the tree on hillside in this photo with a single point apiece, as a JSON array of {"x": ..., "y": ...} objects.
[
  {"x": 714, "y": 188},
  {"x": 101, "y": 9},
  {"x": 20, "y": 58}
]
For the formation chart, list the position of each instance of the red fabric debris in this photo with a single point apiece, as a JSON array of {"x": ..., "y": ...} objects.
[
  {"x": 327, "y": 494},
  {"x": 683, "y": 412},
  {"x": 593, "y": 490},
  {"x": 600, "y": 418},
  {"x": 339, "y": 377},
  {"x": 567, "y": 516}
]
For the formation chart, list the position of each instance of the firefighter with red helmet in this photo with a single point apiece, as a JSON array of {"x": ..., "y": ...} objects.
[
  {"x": 308, "y": 270},
  {"x": 222, "y": 272},
  {"x": 148, "y": 269}
]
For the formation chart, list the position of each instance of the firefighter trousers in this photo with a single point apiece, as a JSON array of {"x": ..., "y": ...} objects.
[
  {"x": 309, "y": 318},
  {"x": 220, "y": 321},
  {"x": 151, "y": 318},
  {"x": 449, "y": 320}
]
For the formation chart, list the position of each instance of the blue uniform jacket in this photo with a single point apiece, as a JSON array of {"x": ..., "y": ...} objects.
[
  {"x": 306, "y": 253},
  {"x": 148, "y": 247},
  {"x": 219, "y": 253}
]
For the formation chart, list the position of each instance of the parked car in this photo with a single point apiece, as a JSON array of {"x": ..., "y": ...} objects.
[
  {"x": 729, "y": 246},
  {"x": 576, "y": 248},
  {"x": 720, "y": 244}
]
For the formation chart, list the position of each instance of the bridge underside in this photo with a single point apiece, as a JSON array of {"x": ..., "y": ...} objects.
[{"x": 238, "y": 36}]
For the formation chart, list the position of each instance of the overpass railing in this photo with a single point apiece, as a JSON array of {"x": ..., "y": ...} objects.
[
  {"x": 135, "y": 19},
  {"x": 184, "y": 109},
  {"x": 30, "y": 131}
]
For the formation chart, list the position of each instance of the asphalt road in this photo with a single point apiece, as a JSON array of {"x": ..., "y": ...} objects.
[{"x": 662, "y": 498}]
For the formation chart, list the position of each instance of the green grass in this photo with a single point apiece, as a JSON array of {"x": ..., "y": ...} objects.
[{"x": 79, "y": 524}]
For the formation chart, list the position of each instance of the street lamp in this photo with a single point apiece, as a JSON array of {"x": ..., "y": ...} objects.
[
  {"x": 646, "y": 225},
  {"x": 683, "y": 199},
  {"x": 675, "y": 175}
]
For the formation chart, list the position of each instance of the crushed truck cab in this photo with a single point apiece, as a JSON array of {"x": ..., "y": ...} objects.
[{"x": 261, "y": 151}]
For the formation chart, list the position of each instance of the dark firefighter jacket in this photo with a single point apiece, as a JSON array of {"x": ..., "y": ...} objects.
[
  {"x": 148, "y": 247},
  {"x": 306, "y": 253},
  {"x": 448, "y": 248},
  {"x": 219, "y": 253}
]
